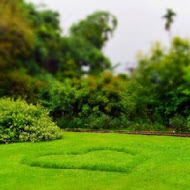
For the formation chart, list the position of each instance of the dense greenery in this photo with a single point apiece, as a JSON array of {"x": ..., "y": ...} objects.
[
  {"x": 96, "y": 28},
  {"x": 97, "y": 161},
  {"x": 20, "y": 122},
  {"x": 17, "y": 37},
  {"x": 73, "y": 79},
  {"x": 90, "y": 102},
  {"x": 163, "y": 76}
]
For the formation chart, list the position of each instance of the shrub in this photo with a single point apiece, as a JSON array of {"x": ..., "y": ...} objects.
[
  {"x": 179, "y": 123},
  {"x": 93, "y": 102},
  {"x": 143, "y": 126},
  {"x": 104, "y": 102},
  {"x": 188, "y": 123},
  {"x": 21, "y": 122},
  {"x": 18, "y": 84}
]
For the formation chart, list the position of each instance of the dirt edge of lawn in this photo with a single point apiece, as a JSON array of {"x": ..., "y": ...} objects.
[{"x": 130, "y": 133}]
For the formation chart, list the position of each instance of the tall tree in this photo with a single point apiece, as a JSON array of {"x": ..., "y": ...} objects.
[
  {"x": 169, "y": 17},
  {"x": 96, "y": 28}
]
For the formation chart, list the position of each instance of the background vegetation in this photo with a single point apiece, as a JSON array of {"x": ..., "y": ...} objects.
[{"x": 72, "y": 78}]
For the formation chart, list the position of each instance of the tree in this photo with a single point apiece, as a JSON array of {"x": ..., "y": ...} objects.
[
  {"x": 87, "y": 38},
  {"x": 162, "y": 76},
  {"x": 68, "y": 56},
  {"x": 78, "y": 53},
  {"x": 46, "y": 52},
  {"x": 16, "y": 35},
  {"x": 169, "y": 17},
  {"x": 32, "y": 39},
  {"x": 96, "y": 28}
]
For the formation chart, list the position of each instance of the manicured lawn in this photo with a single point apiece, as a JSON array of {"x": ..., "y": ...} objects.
[{"x": 97, "y": 161}]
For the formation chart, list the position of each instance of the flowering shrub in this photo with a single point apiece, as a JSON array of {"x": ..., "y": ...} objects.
[{"x": 21, "y": 122}]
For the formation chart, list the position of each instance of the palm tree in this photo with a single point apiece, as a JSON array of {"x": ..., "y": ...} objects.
[{"x": 170, "y": 14}]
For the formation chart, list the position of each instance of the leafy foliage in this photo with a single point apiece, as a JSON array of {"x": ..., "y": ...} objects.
[
  {"x": 16, "y": 35},
  {"x": 96, "y": 28},
  {"x": 66, "y": 56},
  {"x": 163, "y": 76},
  {"x": 20, "y": 122},
  {"x": 91, "y": 103},
  {"x": 78, "y": 53},
  {"x": 18, "y": 84}
]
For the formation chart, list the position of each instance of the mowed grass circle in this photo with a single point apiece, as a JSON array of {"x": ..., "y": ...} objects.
[{"x": 95, "y": 159}]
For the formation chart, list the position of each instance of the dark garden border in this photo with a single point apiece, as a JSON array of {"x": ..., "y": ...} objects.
[{"x": 130, "y": 133}]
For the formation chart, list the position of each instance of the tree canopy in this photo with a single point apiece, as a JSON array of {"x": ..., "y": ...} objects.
[{"x": 96, "y": 28}]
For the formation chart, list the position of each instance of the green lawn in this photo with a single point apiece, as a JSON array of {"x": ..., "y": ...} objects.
[{"x": 97, "y": 161}]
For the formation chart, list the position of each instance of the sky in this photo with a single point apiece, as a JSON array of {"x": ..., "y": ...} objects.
[{"x": 140, "y": 23}]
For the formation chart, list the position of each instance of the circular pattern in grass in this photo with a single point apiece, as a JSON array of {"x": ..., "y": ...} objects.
[{"x": 95, "y": 159}]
